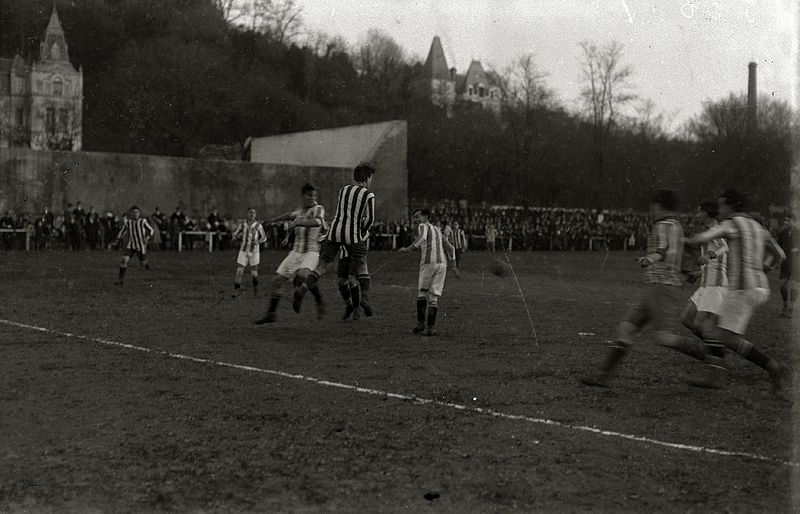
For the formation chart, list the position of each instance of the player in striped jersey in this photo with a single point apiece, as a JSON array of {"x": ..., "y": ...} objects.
[
  {"x": 139, "y": 232},
  {"x": 701, "y": 313},
  {"x": 355, "y": 214},
  {"x": 432, "y": 269},
  {"x": 308, "y": 223},
  {"x": 252, "y": 235},
  {"x": 751, "y": 250},
  {"x": 662, "y": 294},
  {"x": 458, "y": 238}
]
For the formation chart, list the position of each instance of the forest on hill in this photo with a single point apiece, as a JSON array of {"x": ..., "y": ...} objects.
[{"x": 168, "y": 78}]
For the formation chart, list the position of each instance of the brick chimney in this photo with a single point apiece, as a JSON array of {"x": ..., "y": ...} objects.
[{"x": 752, "y": 98}]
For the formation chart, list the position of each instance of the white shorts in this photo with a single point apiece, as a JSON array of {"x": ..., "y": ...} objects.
[
  {"x": 709, "y": 299},
  {"x": 296, "y": 261},
  {"x": 248, "y": 258},
  {"x": 431, "y": 278},
  {"x": 738, "y": 308}
]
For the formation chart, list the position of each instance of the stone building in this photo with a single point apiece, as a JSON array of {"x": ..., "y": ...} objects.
[
  {"x": 41, "y": 102},
  {"x": 447, "y": 88}
]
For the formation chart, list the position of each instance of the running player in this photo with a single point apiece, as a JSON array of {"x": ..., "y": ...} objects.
[
  {"x": 252, "y": 235},
  {"x": 662, "y": 296},
  {"x": 308, "y": 222},
  {"x": 751, "y": 250},
  {"x": 432, "y": 269},
  {"x": 139, "y": 232},
  {"x": 355, "y": 213},
  {"x": 701, "y": 313}
]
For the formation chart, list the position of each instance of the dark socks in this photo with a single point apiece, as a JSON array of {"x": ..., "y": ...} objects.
[
  {"x": 273, "y": 302},
  {"x": 422, "y": 305},
  {"x": 316, "y": 294},
  {"x": 122, "y": 270},
  {"x": 432, "y": 310},
  {"x": 760, "y": 359},
  {"x": 355, "y": 294},
  {"x": 312, "y": 279},
  {"x": 618, "y": 351},
  {"x": 255, "y": 284},
  {"x": 344, "y": 290}
]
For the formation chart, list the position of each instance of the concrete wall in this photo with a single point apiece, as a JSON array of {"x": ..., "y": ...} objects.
[
  {"x": 382, "y": 144},
  {"x": 30, "y": 179}
]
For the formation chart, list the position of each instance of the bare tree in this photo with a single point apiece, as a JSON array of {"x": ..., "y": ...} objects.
[
  {"x": 605, "y": 90},
  {"x": 279, "y": 19},
  {"x": 526, "y": 107}
]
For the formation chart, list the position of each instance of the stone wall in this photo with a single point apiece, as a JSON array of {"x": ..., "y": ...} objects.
[{"x": 31, "y": 179}]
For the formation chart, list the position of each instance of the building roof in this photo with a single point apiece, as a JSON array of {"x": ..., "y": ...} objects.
[
  {"x": 342, "y": 147},
  {"x": 475, "y": 75},
  {"x": 435, "y": 66},
  {"x": 54, "y": 37}
]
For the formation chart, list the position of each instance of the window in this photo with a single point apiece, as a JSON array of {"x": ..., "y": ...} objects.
[
  {"x": 55, "y": 51},
  {"x": 481, "y": 92},
  {"x": 19, "y": 117},
  {"x": 50, "y": 121},
  {"x": 470, "y": 91},
  {"x": 58, "y": 87},
  {"x": 18, "y": 84},
  {"x": 63, "y": 121}
]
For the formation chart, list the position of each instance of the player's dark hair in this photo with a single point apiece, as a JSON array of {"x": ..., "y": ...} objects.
[
  {"x": 710, "y": 207},
  {"x": 666, "y": 198},
  {"x": 422, "y": 212},
  {"x": 363, "y": 171},
  {"x": 735, "y": 199},
  {"x": 134, "y": 207},
  {"x": 307, "y": 188}
]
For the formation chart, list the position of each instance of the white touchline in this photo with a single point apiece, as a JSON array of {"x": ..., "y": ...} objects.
[{"x": 415, "y": 399}]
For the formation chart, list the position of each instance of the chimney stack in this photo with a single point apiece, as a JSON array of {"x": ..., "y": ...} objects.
[{"x": 752, "y": 98}]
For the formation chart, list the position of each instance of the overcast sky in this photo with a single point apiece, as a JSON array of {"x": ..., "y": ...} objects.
[{"x": 682, "y": 51}]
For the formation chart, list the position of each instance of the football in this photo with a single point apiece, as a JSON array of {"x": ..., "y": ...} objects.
[{"x": 498, "y": 268}]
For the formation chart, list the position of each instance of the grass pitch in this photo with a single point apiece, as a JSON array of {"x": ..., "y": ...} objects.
[{"x": 91, "y": 425}]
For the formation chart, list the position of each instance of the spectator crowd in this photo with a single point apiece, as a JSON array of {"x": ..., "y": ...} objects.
[{"x": 508, "y": 228}]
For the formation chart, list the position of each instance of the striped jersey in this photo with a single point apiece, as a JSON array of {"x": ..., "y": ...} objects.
[
  {"x": 430, "y": 242},
  {"x": 713, "y": 272},
  {"x": 306, "y": 239},
  {"x": 665, "y": 239},
  {"x": 746, "y": 240},
  {"x": 355, "y": 213},
  {"x": 252, "y": 235},
  {"x": 138, "y": 232},
  {"x": 458, "y": 238}
]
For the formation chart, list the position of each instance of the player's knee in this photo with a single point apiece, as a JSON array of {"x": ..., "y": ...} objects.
[
  {"x": 341, "y": 281},
  {"x": 254, "y": 272}
]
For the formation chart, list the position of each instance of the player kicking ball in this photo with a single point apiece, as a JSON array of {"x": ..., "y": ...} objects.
[
  {"x": 252, "y": 235},
  {"x": 434, "y": 249},
  {"x": 662, "y": 295},
  {"x": 308, "y": 222},
  {"x": 139, "y": 232}
]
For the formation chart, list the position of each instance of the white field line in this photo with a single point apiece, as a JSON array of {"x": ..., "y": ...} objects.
[{"x": 416, "y": 399}]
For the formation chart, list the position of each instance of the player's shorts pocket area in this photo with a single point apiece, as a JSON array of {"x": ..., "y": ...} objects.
[{"x": 658, "y": 306}]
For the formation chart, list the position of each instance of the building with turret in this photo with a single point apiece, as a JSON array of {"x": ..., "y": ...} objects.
[
  {"x": 447, "y": 88},
  {"x": 41, "y": 102}
]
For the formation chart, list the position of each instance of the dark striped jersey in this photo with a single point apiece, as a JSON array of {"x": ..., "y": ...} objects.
[
  {"x": 431, "y": 244},
  {"x": 714, "y": 272},
  {"x": 665, "y": 239},
  {"x": 746, "y": 240},
  {"x": 355, "y": 214},
  {"x": 458, "y": 238},
  {"x": 252, "y": 235},
  {"x": 306, "y": 239},
  {"x": 138, "y": 232}
]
